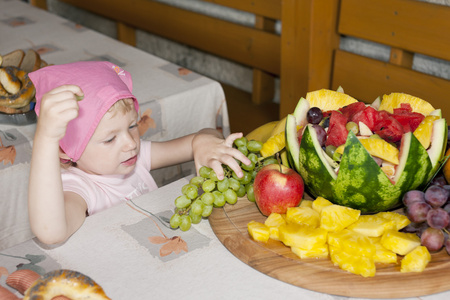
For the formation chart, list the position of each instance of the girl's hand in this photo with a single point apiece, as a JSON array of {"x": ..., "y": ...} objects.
[
  {"x": 58, "y": 107},
  {"x": 212, "y": 151}
]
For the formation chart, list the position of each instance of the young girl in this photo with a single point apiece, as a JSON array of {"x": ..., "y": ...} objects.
[{"x": 88, "y": 119}]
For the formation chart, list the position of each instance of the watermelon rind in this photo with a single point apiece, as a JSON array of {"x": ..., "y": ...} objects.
[
  {"x": 361, "y": 184},
  {"x": 436, "y": 151},
  {"x": 436, "y": 112},
  {"x": 298, "y": 118},
  {"x": 318, "y": 175},
  {"x": 414, "y": 164},
  {"x": 292, "y": 145},
  {"x": 301, "y": 111}
]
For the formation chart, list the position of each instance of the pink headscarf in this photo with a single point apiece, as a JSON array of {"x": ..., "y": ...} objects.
[{"x": 102, "y": 83}]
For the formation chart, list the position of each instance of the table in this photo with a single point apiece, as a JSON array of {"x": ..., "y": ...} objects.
[
  {"x": 114, "y": 248},
  {"x": 178, "y": 101}
]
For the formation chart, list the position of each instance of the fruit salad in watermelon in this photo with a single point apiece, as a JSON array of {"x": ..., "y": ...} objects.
[{"x": 365, "y": 156}]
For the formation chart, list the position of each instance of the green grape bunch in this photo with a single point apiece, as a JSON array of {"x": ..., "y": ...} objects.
[{"x": 206, "y": 191}]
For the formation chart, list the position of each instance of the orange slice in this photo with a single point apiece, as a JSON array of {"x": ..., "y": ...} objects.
[
  {"x": 394, "y": 100},
  {"x": 328, "y": 99},
  {"x": 424, "y": 130}
]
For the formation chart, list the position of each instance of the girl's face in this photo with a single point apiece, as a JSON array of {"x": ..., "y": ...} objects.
[{"x": 114, "y": 146}]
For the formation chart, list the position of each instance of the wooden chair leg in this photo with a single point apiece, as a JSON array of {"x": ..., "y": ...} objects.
[
  {"x": 263, "y": 89},
  {"x": 39, "y": 3},
  {"x": 126, "y": 34}
]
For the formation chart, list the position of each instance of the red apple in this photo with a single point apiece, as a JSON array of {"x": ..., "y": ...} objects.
[{"x": 277, "y": 187}]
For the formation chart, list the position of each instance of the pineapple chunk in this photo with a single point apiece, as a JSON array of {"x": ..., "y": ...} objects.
[
  {"x": 303, "y": 216},
  {"x": 372, "y": 225},
  {"x": 258, "y": 231},
  {"x": 320, "y": 203},
  {"x": 416, "y": 260},
  {"x": 273, "y": 221},
  {"x": 383, "y": 255},
  {"x": 316, "y": 252},
  {"x": 400, "y": 242},
  {"x": 307, "y": 203},
  {"x": 401, "y": 221},
  {"x": 337, "y": 217},
  {"x": 351, "y": 242},
  {"x": 359, "y": 265},
  {"x": 302, "y": 236}
]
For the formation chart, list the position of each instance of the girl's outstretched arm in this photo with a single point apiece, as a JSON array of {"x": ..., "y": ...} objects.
[{"x": 207, "y": 148}]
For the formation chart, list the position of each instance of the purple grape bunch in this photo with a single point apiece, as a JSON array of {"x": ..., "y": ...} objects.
[{"x": 429, "y": 213}]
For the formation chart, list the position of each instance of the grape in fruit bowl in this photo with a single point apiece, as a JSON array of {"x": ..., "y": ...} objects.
[
  {"x": 372, "y": 154},
  {"x": 428, "y": 212}
]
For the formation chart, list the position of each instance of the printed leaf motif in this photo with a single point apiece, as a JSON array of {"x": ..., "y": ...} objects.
[
  {"x": 7, "y": 154},
  {"x": 174, "y": 244},
  {"x": 146, "y": 122},
  {"x": 183, "y": 71},
  {"x": 157, "y": 239},
  {"x": 3, "y": 271}
]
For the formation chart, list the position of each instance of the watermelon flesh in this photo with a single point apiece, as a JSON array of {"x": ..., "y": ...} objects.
[
  {"x": 337, "y": 133},
  {"x": 388, "y": 128},
  {"x": 407, "y": 118},
  {"x": 368, "y": 116}
]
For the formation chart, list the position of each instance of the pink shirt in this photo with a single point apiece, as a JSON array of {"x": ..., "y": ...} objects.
[{"x": 103, "y": 191}]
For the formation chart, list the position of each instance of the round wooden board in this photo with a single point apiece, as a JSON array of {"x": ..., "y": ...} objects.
[{"x": 276, "y": 260}]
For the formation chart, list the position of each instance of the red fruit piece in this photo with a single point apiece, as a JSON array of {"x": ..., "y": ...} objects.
[
  {"x": 337, "y": 133},
  {"x": 368, "y": 116},
  {"x": 410, "y": 120},
  {"x": 350, "y": 110},
  {"x": 388, "y": 128},
  {"x": 404, "y": 108}
]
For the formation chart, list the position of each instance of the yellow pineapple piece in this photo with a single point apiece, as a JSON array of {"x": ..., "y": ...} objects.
[
  {"x": 303, "y": 216},
  {"x": 351, "y": 242},
  {"x": 328, "y": 99},
  {"x": 372, "y": 225},
  {"x": 395, "y": 100},
  {"x": 258, "y": 231},
  {"x": 383, "y": 255},
  {"x": 320, "y": 203},
  {"x": 379, "y": 148},
  {"x": 273, "y": 145},
  {"x": 416, "y": 260},
  {"x": 307, "y": 203},
  {"x": 336, "y": 217},
  {"x": 302, "y": 236},
  {"x": 424, "y": 130},
  {"x": 400, "y": 242},
  {"x": 274, "y": 221},
  {"x": 401, "y": 221},
  {"x": 316, "y": 252},
  {"x": 359, "y": 265}
]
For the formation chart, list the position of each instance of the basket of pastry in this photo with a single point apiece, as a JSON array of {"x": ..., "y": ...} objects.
[{"x": 16, "y": 89}]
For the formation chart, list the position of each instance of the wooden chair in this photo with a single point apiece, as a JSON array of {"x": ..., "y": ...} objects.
[{"x": 408, "y": 28}]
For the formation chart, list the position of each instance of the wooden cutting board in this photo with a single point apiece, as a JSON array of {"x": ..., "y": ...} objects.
[{"x": 276, "y": 260}]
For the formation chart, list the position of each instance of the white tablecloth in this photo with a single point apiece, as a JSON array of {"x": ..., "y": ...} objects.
[
  {"x": 178, "y": 101},
  {"x": 133, "y": 256}
]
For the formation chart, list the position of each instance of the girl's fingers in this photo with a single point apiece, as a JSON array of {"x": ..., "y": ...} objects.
[
  {"x": 232, "y": 137},
  {"x": 74, "y": 89},
  {"x": 217, "y": 167}
]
